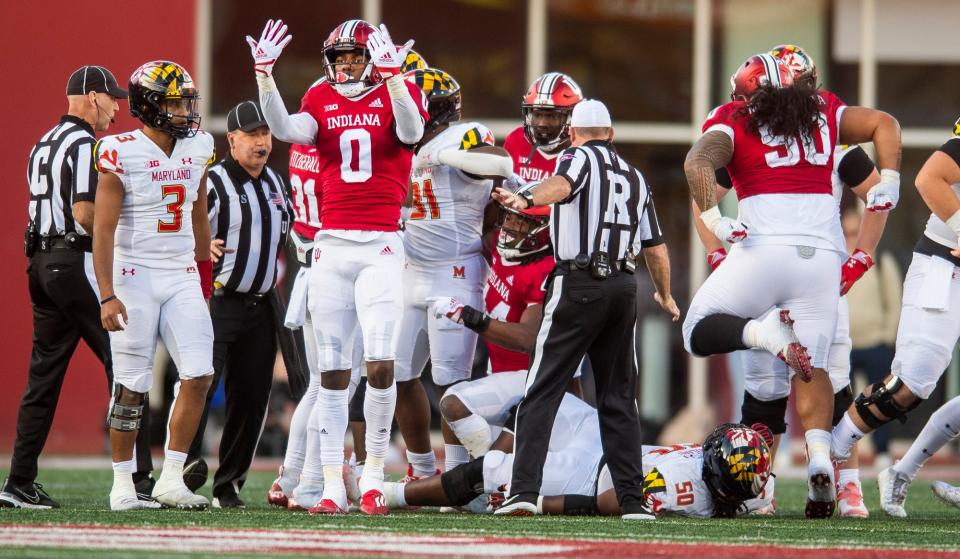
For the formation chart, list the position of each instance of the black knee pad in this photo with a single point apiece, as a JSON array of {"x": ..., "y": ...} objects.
[
  {"x": 718, "y": 333},
  {"x": 356, "y": 403},
  {"x": 127, "y": 410},
  {"x": 463, "y": 483},
  {"x": 841, "y": 403},
  {"x": 580, "y": 505},
  {"x": 772, "y": 414}
]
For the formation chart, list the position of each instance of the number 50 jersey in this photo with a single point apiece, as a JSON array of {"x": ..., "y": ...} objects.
[{"x": 155, "y": 227}]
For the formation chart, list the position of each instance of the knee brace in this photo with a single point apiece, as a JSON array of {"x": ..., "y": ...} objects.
[
  {"x": 841, "y": 403},
  {"x": 127, "y": 410},
  {"x": 882, "y": 396},
  {"x": 463, "y": 483},
  {"x": 772, "y": 414}
]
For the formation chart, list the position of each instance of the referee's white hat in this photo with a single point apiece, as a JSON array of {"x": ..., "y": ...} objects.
[{"x": 590, "y": 113}]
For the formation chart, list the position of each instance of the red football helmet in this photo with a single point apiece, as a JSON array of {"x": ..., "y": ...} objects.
[
  {"x": 523, "y": 233},
  {"x": 555, "y": 93},
  {"x": 758, "y": 70},
  {"x": 349, "y": 36},
  {"x": 797, "y": 59}
]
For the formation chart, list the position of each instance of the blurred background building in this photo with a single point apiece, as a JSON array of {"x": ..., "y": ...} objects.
[{"x": 660, "y": 65}]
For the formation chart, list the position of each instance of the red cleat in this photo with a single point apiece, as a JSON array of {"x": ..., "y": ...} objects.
[
  {"x": 293, "y": 505},
  {"x": 327, "y": 506},
  {"x": 276, "y": 496},
  {"x": 794, "y": 354},
  {"x": 373, "y": 503}
]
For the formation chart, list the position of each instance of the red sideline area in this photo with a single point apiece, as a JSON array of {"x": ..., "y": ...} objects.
[{"x": 309, "y": 542}]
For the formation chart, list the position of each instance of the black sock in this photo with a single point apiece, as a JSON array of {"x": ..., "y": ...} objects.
[{"x": 718, "y": 333}]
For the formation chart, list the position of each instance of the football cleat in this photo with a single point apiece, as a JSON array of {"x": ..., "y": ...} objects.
[
  {"x": 293, "y": 505},
  {"x": 893, "y": 492},
  {"x": 946, "y": 493},
  {"x": 822, "y": 491},
  {"x": 174, "y": 494},
  {"x": 518, "y": 505},
  {"x": 850, "y": 502},
  {"x": 229, "y": 501},
  {"x": 373, "y": 503},
  {"x": 775, "y": 334},
  {"x": 767, "y": 510},
  {"x": 131, "y": 502},
  {"x": 276, "y": 496},
  {"x": 27, "y": 496},
  {"x": 327, "y": 506}
]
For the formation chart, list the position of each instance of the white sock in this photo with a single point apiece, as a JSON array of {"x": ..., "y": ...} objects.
[
  {"x": 424, "y": 464},
  {"x": 750, "y": 335},
  {"x": 378, "y": 408},
  {"x": 173, "y": 464},
  {"x": 943, "y": 427},
  {"x": 312, "y": 473},
  {"x": 394, "y": 494},
  {"x": 298, "y": 439},
  {"x": 474, "y": 434},
  {"x": 845, "y": 435},
  {"x": 331, "y": 418},
  {"x": 818, "y": 444},
  {"x": 849, "y": 475},
  {"x": 123, "y": 477},
  {"x": 454, "y": 455}
]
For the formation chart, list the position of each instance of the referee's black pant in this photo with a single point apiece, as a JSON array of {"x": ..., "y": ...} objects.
[
  {"x": 65, "y": 310},
  {"x": 583, "y": 315},
  {"x": 244, "y": 351}
]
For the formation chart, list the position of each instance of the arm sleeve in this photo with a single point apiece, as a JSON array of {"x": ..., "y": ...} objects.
[
  {"x": 475, "y": 163},
  {"x": 952, "y": 148},
  {"x": 573, "y": 165},
  {"x": 84, "y": 182},
  {"x": 723, "y": 178},
  {"x": 298, "y": 128},
  {"x": 855, "y": 167},
  {"x": 409, "y": 109}
]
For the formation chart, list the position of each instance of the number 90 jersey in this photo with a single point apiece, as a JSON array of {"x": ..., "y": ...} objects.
[
  {"x": 784, "y": 185},
  {"x": 156, "y": 227},
  {"x": 447, "y": 218},
  {"x": 363, "y": 168}
]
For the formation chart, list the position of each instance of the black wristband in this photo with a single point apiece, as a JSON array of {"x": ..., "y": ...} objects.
[
  {"x": 475, "y": 320},
  {"x": 107, "y": 300},
  {"x": 528, "y": 197}
]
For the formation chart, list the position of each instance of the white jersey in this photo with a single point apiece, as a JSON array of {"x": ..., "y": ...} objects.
[
  {"x": 936, "y": 229},
  {"x": 447, "y": 218},
  {"x": 155, "y": 227},
  {"x": 839, "y": 153}
]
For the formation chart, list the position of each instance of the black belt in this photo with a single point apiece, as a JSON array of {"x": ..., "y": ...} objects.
[
  {"x": 929, "y": 247},
  {"x": 572, "y": 265},
  {"x": 249, "y": 299},
  {"x": 70, "y": 241}
]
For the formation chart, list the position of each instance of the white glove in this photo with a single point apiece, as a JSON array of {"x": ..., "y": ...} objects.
[
  {"x": 885, "y": 194},
  {"x": 448, "y": 307},
  {"x": 725, "y": 229},
  {"x": 268, "y": 48},
  {"x": 513, "y": 182},
  {"x": 387, "y": 57}
]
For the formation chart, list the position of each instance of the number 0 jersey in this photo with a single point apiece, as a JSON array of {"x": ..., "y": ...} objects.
[
  {"x": 784, "y": 185},
  {"x": 447, "y": 218},
  {"x": 363, "y": 168},
  {"x": 156, "y": 227}
]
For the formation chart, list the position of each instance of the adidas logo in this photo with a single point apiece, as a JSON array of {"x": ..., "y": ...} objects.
[
  {"x": 383, "y": 430},
  {"x": 376, "y": 104},
  {"x": 386, "y": 251},
  {"x": 323, "y": 431}
]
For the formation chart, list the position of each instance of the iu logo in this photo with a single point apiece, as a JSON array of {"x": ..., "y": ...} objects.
[
  {"x": 459, "y": 273},
  {"x": 316, "y": 255},
  {"x": 125, "y": 272},
  {"x": 187, "y": 161}
]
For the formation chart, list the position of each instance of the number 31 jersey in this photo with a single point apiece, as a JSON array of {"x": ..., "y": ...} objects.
[
  {"x": 784, "y": 185},
  {"x": 363, "y": 168},
  {"x": 156, "y": 227},
  {"x": 447, "y": 218}
]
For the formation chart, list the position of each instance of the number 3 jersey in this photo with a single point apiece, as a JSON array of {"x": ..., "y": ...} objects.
[
  {"x": 446, "y": 222},
  {"x": 784, "y": 185},
  {"x": 362, "y": 167},
  {"x": 155, "y": 228}
]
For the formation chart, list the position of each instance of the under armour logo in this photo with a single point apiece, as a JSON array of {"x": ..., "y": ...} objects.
[
  {"x": 131, "y": 271},
  {"x": 387, "y": 251},
  {"x": 191, "y": 269},
  {"x": 187, "y": 160},
  {"x": 376, "y": 104}
]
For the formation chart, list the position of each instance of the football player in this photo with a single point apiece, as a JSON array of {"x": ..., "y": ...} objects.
[
  {"x": 715, "y": 479},
  {"x": 151, "y": 254},
  {"x": 545, "y": 132},
  {"x": 777, "y": 139},
  {"x": 766, "y": 385},
  {"x": 363, "y": 120},
  {"x": 449, "y": 191},
  {"x": 928, "y": 331},
  {"x": 520, "y": 260}
]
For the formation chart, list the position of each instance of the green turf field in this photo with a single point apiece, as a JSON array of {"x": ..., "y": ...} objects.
[{"x": 83, "y": 494}]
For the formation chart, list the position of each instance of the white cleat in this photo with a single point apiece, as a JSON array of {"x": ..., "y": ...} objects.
[
  {"x": 821, "y": 490},
  {"x": 893, "y": 492},
  {"x": 946, "y": 493},
  {"x": 775, "y": 334},
  {"x": 130, "y": 502},
  {"x": 174, "y": 494}
]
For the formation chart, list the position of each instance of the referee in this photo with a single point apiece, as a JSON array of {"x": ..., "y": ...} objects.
[
  {"x": 250, "y": 215},
  {"x": 602, "y": 214},
  {"x": 63, "y": 292}
]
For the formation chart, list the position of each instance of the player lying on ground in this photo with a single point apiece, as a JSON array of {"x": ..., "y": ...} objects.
[{"x": 716, "y": 479}]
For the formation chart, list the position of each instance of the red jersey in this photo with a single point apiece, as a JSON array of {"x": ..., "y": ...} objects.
[
  {"x": 535, "y": 167},
  {"x": 305, "y": 187},
  {"x": 362, "y": 166},
  {"x": 510, "y": 289}
]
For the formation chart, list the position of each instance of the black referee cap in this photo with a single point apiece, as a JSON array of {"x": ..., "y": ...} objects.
[
  {"x": 246, "y": 116},
  {"x": 94, "y": 78}
]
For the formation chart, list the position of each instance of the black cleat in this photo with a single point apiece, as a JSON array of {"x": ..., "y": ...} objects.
[
  {"x": 523, "y": 504},
  {"x": 228, "y": 501},
  {"x": 144, "y": 483},
  {"x": 28, "y": 496},
  {"x": 195, "y": 474}
]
